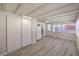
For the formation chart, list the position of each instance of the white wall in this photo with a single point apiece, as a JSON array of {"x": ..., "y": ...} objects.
[
  {"x": 13, "y": 32},
  {"x": 77, "y": 33},
  {"x": 34, "y": 31},
  {"x": 63, "y": 35},
  {"x": 44, "y": 29},
  {"x": 13, "y": 28},
  {"x": 2, "y": 33},
  {"x": 39, "y": 30},
  {"x": 39, "y": 36},
  {"x": 26, "y": 31}
]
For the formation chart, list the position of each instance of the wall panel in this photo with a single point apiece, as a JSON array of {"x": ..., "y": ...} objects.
[
  {"x": 34, "y": 34},
  {"x": 2, "y": 33},
  {"x": 13, "y": 32},
  {"x": 39, "y": 27},
  {"x": 26, "y": 31}
]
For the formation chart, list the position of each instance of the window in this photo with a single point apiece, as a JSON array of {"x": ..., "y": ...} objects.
[
  {"x": 63, "y": 28},
  {"x": 70, "y": 28},
  {"x": 53, "y": 28},
  {"x": 48, "y": 27}
]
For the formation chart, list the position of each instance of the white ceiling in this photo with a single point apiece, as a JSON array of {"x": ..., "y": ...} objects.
[{"x": 39, "y": 10}]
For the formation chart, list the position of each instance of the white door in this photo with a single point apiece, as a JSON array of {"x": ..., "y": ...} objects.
[
  {"x": 34, "y": 25},
  {"x": 26, "y": 32},
  {"x": 13, "y": 33},
  {"x": 39, "y": 35},
  {"x": 2, "y": 33}
]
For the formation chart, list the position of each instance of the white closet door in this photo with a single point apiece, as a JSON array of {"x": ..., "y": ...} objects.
[
  {"x": 26, "y": 32},
  {"x": 2, "y": 33},
  {"x": 34, "y": 36},
  {"x": 13, "y": 33},
  {"x": 39, "y": 35}
]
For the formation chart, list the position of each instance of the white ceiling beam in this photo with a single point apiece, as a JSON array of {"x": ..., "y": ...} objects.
[
  {"x": 18, "y": 6},
  {"x": 3, "y": 6},
  {"x": 53, "y": 10},
  {"x": 66, "y": 13},
  {"x": 72, "y": 13},
  {"x": 40, "y": 7}
]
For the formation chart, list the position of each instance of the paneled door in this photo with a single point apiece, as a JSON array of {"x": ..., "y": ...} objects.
[
  {"x": 13, "y": 32},
  {"x": 39, "y": 34},
  {"x": 34, "y": 33},
  {"x": 26, "y": 31}
]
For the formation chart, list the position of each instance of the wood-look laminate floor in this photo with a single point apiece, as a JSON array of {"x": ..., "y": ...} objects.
[{"x": 48, "y": 46}]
